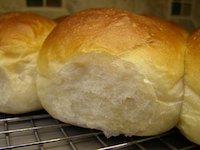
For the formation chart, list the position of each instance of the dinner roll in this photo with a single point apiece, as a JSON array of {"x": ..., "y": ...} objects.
[
  {"x": 189, "y": 123},
  {"x": 112, "y": 70},
  {"x": 21, "y": 37}
]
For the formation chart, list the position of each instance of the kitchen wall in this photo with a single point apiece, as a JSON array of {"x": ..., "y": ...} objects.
[
  {"x": 196, "y": 13},
  {"x": 184, "y": 12}
]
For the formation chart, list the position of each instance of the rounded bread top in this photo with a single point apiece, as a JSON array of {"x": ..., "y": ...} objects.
[
  {"x": 118, "y": 32},
  {"x": 22, "y": 33}
]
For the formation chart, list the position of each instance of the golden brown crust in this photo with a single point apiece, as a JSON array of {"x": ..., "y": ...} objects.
[
  {"x": 179, "y": 29},
  {"x": 111, "y": 30},
  {"x": 174, "y": 26},
  {"x": 19, "y": 29}
]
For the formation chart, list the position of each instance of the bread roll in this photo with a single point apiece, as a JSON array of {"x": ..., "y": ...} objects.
[
  {"x": 21, "y": 37},
  {"x": 112, "y": 70},
  {"x": 189, "y": 123}
]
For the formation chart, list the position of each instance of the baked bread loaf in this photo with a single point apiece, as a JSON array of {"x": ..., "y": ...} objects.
[
  {"x": 189, "y": 123},
  {"x": 112, "y": 70},
  {"x": 21, "y": 37}
]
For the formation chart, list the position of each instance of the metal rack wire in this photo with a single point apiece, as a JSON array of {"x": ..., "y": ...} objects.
[{"x": 39, "y": 131}]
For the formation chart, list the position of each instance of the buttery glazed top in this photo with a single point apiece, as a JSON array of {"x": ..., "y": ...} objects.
[
  {"x": 118, "y": 32},
  {"x": 22, "y": 33}
]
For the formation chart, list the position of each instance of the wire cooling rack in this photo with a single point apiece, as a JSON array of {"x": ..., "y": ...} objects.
[{"x": 39, "y": 131}]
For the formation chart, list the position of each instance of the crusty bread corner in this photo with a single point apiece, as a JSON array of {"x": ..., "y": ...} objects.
[{"x": 173, "y": 25}]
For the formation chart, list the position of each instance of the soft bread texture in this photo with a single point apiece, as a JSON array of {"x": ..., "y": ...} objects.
[
  {"x": 189, "y": 123},
  {"x": 21, "y": 37},
  {"x": 111, "y": 70}
]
